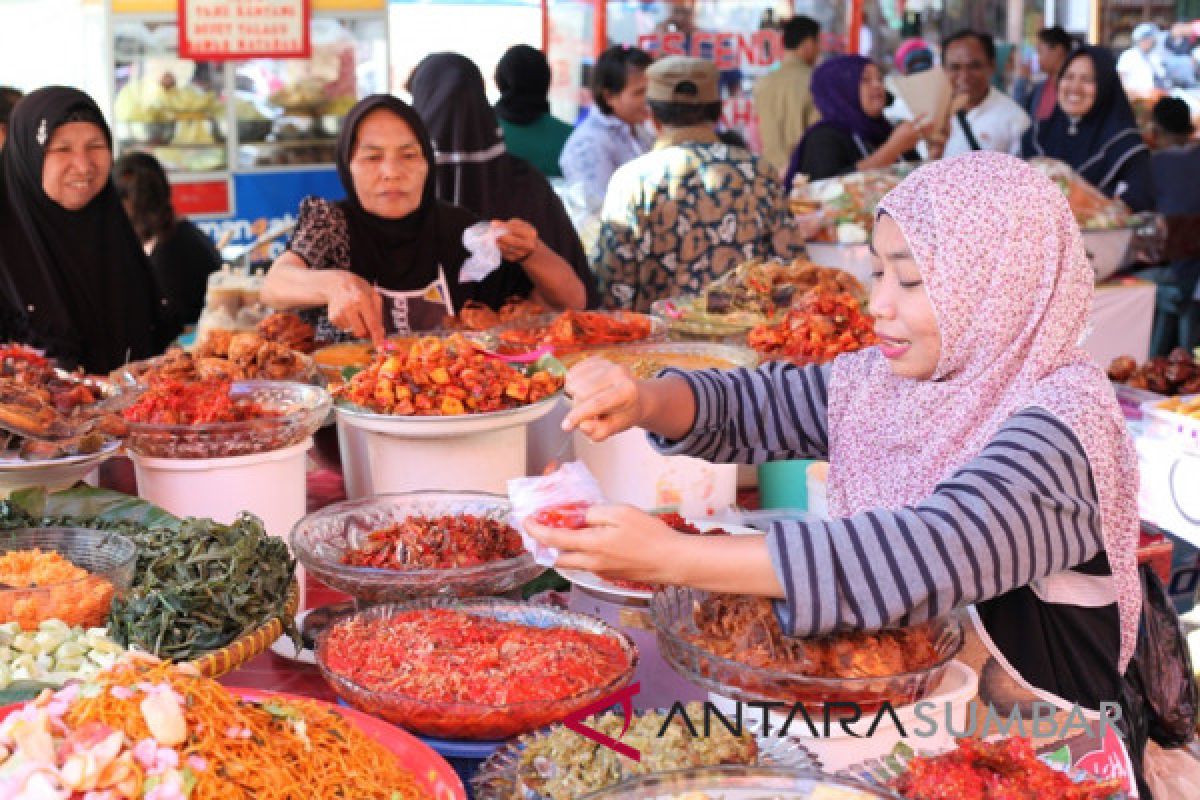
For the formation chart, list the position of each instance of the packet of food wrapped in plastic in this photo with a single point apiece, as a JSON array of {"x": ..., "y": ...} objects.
[
  {"x": 560, "y": 500},
  {"x": 481, "y": 242}
]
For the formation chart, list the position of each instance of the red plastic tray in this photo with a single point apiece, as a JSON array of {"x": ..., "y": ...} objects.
[{"x": 433, "y": 774}]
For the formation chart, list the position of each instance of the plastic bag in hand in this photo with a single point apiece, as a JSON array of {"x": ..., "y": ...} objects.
[
  {"x": 570, "y": 485},
  {"x": 1161, "y": 669},
  {"x": 481, "y": 242}
]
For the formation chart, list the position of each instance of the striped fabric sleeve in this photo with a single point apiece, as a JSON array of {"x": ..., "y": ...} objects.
[
  {"x": 1024, "y": 508},
  {"x": 750, "y": 416}
]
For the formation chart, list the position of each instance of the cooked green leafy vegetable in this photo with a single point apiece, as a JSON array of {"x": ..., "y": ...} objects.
[{"x": 198, "y": 584}]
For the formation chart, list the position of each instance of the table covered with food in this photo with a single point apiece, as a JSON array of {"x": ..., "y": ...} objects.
[{"x": 225, "y": 632}]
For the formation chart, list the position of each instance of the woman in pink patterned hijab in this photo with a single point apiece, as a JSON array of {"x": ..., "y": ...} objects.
[
  {"x": 978, "y": 459},
  {"x": 1004, "y": 269}
]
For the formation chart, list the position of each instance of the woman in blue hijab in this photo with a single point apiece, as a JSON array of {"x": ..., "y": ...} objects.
[
  {"x": 853, "y": 134},
  {"x": 1094, "y": 130}
]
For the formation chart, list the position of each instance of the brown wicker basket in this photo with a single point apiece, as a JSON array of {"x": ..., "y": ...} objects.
[{"x": 246, "y": 647}]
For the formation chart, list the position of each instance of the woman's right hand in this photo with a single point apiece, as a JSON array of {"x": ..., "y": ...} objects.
[
  {"x": 905, "y": 136},
  {"x": 353, "y": 305},
  {"x": 606, "y": 399}
]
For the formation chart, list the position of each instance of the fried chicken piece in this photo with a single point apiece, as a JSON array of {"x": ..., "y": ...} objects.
[
  {"x": 215, "y": 344},
  {"x": 244, "y": 347},
  {"x": 214, "y": 369},
  {"x": 289, "y": 330},
  {"x": 277, "y": 362}
]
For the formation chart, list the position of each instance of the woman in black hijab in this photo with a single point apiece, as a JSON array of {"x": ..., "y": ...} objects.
[
  {"x": 389, "y": 257},
  {"x": 531, "y": 132},
  {"x": 74, "y": 279},
  {"x": 475, "y": 171},
  {"x": 1093, "y": 129}
]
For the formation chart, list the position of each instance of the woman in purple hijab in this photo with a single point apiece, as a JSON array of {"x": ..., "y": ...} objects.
[{"x": 853, "y": 134}]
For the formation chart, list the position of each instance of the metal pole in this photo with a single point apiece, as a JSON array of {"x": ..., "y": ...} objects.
[
  {"x": 854, "y": 26},
  {"x": 600, "y": 32},
  {"x": 546, "y": 28}
]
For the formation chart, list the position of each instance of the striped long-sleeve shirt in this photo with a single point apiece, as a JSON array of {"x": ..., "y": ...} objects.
[{"x": 1024, "y": 509}]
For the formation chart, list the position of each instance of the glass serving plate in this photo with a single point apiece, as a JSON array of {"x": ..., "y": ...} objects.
[
  {"x": 499, "y": 777},
  {"x": 135, "y": 373},
  {"x": 320, "y": 540},
  {"x": 887, "y": 768},
  {"x": 465, "y": 719},
  {"x": 305, "y": 408},
  {"x": 742, "y": 783},
  {"x": 646, "y": 359},
  {"x": 526, "y": 328},
  {"x": 108, "y": 557},
  {"x": 672, "y": 609},
  {"x": 680, "y": 317}
]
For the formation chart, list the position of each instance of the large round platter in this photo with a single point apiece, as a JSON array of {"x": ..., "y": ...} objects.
[
  {"x": 677, "y": 315},
  {"x": 432, "y": 773},
  {"x": 11, "y": 462},
  {"x": 498, "y": 778},
  {"x": 462, "y": 719},
  {"x": 612, "y": 592}
]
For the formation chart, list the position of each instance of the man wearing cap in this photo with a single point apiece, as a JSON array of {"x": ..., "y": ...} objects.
[
  {"x": 1141, "y": 66},
  {"x": 1176, "y": 167},
  {"x": 693, "y": 208},
  {"x": 783, "y": 98}
]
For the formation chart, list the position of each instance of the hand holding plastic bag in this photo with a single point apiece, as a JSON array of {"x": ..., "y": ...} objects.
[
  {"x": 566, "y": 492},
  {"x": 481, "y": 241}
]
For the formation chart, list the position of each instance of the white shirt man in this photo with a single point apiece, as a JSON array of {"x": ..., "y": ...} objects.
[{"x": 998, "y": 124}]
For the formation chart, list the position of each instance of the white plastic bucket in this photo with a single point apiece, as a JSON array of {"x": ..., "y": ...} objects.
[
  {"x": 352, "y": 447},
  {"x": 545, "y": 440},
  {"x": 630, "y": 471},
  {"x": 479, "y": 462},
  {"x": 841, "y": 749},
  {"x": 269, "y": 485}
]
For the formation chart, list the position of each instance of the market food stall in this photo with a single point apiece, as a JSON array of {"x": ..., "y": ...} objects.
[{"x": 243, "y": 140}]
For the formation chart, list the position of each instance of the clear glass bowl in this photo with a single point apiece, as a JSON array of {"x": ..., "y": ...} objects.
[
  {"x": 108, "y": 557},
  {"x": 658, "y": 332},
  {"x": 304, "y": 408},
  {"x": 321, "y": 539},
  {"x": 501, "y": 777},
  {"x": 741, "y": 783},
  {"x": 672, "y": 609},
  {"x": 477, "y": 721}
]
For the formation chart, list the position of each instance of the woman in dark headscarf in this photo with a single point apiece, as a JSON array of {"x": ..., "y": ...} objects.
[
  {"x": 475, "y": 171},
  {"x": 181, "y": 255},
  {"x": 853, "y": 134},
  {"x": 531, "y": 132},
  {"x": 1094, "y": 130},
  {"x": 74, "y": 279},
  {"x": 389, "y": 257}
]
